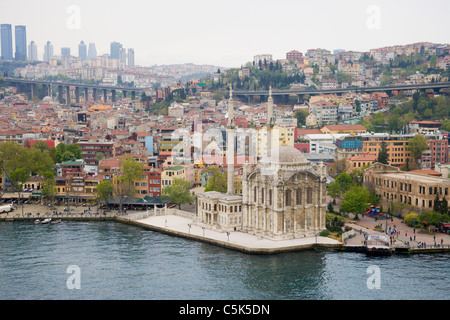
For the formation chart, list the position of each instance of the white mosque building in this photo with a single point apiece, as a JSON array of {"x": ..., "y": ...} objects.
[{"x": 283, "y": 196}]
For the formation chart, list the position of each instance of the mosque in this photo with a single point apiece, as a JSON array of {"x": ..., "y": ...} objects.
[{"x": 283, "y": 196}]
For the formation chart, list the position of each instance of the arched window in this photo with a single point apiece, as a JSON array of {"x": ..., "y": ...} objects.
[
  {"x": 309, "y": 195},
  {"x": 288, "y": 198},
  {"x": 298, "y": 196},
  {"x": 255, "y": 193},
  {"x": 270, "y": 197},
  {"x": 262, "y": 195}
]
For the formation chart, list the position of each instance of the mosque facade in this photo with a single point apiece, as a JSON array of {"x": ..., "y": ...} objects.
[{"x": 283, "y": 196}]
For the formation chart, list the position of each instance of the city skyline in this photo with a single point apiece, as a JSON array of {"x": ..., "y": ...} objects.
[{"x": 226, "y": 34}]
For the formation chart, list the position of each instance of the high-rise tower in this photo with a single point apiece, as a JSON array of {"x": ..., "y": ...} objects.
[
  {"x": 21, "y": 43},
  {"x": 92, "y": 51},
  {"x": 82, "y": 51},
  {"x": 6, "y": 42},
  {"x": 32, "y": 51},
  {"x": 48, "y": 51}
]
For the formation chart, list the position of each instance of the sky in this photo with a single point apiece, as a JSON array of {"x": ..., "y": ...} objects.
[{"x": 227, "y": 33}]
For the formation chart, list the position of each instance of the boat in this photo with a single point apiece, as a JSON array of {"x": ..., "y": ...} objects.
[
  {"x": 55, "y": 221},
  {"x": 37, "y": 221},
  {"x": 46, "y": 221}
]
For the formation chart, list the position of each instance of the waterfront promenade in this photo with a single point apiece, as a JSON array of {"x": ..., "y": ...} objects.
[
  {"x": 236, "y": 240},
  {"x": 408, "y": 237}
]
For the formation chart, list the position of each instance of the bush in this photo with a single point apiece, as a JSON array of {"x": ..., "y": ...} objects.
[
  {"x": 325, "y": 233},
  {"x": 412, "y": 220}
]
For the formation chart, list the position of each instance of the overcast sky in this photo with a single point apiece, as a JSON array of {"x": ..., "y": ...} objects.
[{"x": 227, "y": 33}]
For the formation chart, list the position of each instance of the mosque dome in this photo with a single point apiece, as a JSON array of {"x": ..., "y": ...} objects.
[{"x": 284, "y": 154}]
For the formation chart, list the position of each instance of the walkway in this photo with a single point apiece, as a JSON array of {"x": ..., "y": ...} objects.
[
  {"x": 242, "y": 241},
  {"x": 407, "y": 234}
]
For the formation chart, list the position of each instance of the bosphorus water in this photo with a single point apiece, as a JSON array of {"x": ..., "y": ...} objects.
[{"x": 118, "y": 261}]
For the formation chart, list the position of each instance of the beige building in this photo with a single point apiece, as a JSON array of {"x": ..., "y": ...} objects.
[{"x": 416, "y": 189}]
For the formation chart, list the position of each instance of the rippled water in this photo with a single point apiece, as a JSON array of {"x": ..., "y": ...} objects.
[{"x": 120, "y": 261}]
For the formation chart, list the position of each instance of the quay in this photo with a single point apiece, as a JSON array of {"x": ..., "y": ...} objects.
[{"x": 182, "y": 224}]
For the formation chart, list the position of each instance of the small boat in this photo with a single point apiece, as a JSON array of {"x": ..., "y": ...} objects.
[
  {"x": 55, "y": 221},
  {"x": 37, "y": 221},
  {"x": 46, "y": 221}
]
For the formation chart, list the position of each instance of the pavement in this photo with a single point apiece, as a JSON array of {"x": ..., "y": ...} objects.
[
  {"x": 179, "y": 225},
  {"x": 367, "y": 224}
]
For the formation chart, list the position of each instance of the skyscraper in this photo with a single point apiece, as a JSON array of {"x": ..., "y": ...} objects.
[
  {"x": 123, "y": 56},
  {"x": 21, "y": 43},
  {"x": 82, "y": 50},
  {"x": 115, "y": 50},
  {"x": 48, "y": 51},
  {"x": 65, "y": 52},
  {"x": 6, "y": 41},
  {"x": 131, "y": 57},
  {"x": 32, "y": 51},
  {"x": 92, "y": 51}
]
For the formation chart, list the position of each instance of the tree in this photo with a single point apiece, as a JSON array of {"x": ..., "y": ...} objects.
[
  {"x": 216, "y": 180},
  {"x": 444, "y": 206},
  {"x": 105, "y": 190},
  {"x": 131, "y": 170},
  {"x": 383, "y": 156},
  {"x": 334, "y": 190},
  {"x": 48, "y": 185},
  {"x": 178, "y": 192},
  {"x": 301, "y": 115},
  {"x": 345, "y": 181},
  {"x": 355, "y": 200},
  {"x": 437, "y": 204},
  {"x": 417, "y": 145},
  {"x": 18, "y": 177}
]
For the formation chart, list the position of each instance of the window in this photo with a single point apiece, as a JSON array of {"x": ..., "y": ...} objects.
[
  {"x": 262, "y": 195},
  {"x": 288, "y": 198},
  {"x": 298, "y": 196},
  {"x": 309, "y": 195},
  {"x": 270, "y": 197}
]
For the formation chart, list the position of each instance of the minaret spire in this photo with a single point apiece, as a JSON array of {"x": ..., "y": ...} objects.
[{"x": 230, "y": 144}]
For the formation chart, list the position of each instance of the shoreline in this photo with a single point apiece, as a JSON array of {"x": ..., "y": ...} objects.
[{"x": 176, "y": 225}]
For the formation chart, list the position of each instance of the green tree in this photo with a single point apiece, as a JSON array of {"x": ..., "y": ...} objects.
[
  {"x": 383, "y": 156},
  {"x": 345, "y": 181},
  {"x": 301, "y": 115},
  {"x": 334, "y": 190},
  {"x": 105, "y": 190},
  {"x": 18, "y": 177},
  {"x": 48, "y": 185},
  {"x": 216, "y": 180},
  {"x": 417, "y": 145},
  {"x": 178, "y": 192},
  {"x": 355, "y": 200},
  {"x": 130, "y": 171}
]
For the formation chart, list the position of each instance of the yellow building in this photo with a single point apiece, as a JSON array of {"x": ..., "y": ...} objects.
[
  {"x": 175, "y": 172},
  {"x": 397, "y": 150},
  {"x": 100, "y": 108},
  {"x": 278, "y": 135},
  {"x": 344, "y": 128}
]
